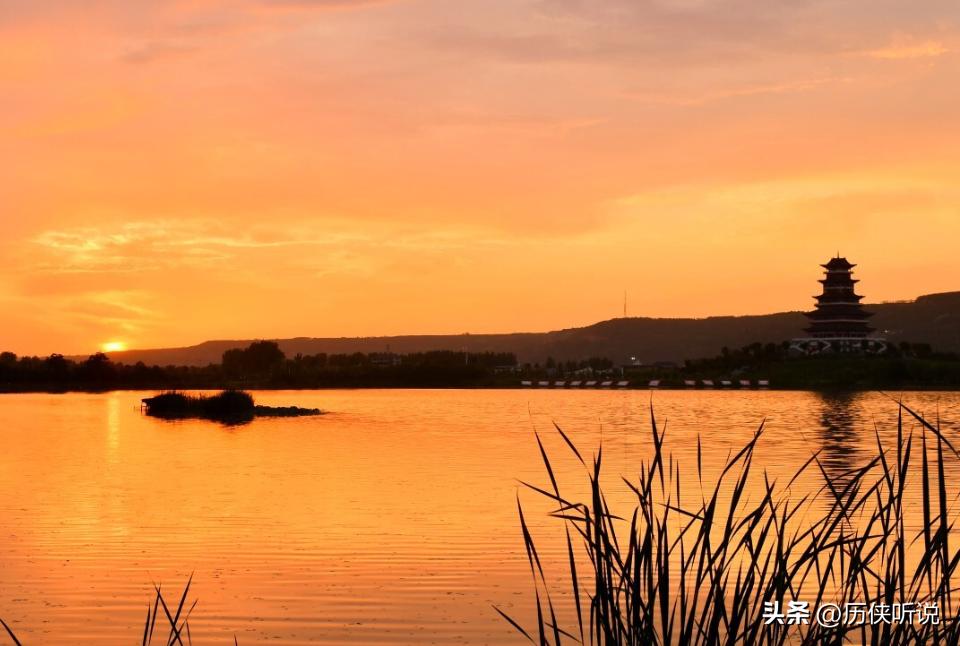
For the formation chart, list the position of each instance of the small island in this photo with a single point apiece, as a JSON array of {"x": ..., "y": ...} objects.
[{"x": 229, "y": 407}]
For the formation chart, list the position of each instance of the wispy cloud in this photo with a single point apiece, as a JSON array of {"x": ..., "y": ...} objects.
[
  {"x": 909, "y": 50},
  {"x": 321, "y": 4},
  {"x": 759, "y": 89},
  {"x": 113, "y": 309},
  {"x": 155, "y": 245},
  {"x": 154, "y": 51},
  {"x": 768, "y": 195}
]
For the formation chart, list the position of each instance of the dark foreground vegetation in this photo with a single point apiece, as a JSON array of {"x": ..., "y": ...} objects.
[
  {"x": 229, "y": 406},
  {"x": 262, "y": 365},
  {"x": 167, "y": 624},
  {"x": 703, "y": 566}
]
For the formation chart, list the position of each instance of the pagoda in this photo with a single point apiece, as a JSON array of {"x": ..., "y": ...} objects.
[
  {"x": 839, "y": 323},
  {"x": 839, "y": 314}
]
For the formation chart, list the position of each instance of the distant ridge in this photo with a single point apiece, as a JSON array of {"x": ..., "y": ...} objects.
[{"x": 934, "y": 319}]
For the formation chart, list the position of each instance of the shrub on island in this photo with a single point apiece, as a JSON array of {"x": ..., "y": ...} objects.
[{"x": 229, "y": 406}]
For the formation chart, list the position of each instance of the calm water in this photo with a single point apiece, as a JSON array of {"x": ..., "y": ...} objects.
[{"x": 391, "y": 520}]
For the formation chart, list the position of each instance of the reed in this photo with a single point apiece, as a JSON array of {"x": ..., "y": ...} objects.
[
  {"x": 169, "y": 626},
  {"x": 703, "y": 567}
]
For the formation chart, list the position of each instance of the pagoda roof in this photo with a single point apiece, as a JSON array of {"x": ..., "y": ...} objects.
[
  {"x": 838, "y": 264},
  {"x": 830, "y": 299},
  {"x": 845, "y": 315}
]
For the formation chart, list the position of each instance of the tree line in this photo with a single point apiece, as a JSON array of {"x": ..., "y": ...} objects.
[{"x": 262, "y": 364}]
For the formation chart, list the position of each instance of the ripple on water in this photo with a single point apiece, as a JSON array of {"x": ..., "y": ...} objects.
[{"x": 391, "y": 520}]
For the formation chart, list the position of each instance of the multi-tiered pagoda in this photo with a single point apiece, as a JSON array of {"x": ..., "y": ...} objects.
[
  {"x": 839, "y": 314},
  {"x": 839, "y": 323}
]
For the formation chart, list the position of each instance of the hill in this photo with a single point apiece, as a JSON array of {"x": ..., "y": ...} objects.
[{"x": 933, "y": 319}]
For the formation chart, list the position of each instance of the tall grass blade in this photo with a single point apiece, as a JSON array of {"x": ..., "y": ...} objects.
[{"x": 10, "y": 632}]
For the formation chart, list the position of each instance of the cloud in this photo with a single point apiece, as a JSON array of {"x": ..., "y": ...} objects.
[
  {"x": 110, "y": 309},
  {"x": 157, "y": 50},
  {"x": 99, "y": 313},
  {"x": 153, "y": 245},
  {"x": 321, "y": 4},
  {"x": 813, "y": 208},
  {"x": 789, "y": 87},
  {"x": 323, "y": 248},
  {"x": 907, "y": 51},
  {"x": 682, "y": 33},
  {"x": 767, "y": 194}
]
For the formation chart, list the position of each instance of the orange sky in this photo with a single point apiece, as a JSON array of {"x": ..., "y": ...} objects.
[{"x": 173, "y": 171}]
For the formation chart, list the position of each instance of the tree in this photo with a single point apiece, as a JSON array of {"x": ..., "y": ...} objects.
[
  {"x": 98, "y": 369},
  {"x": 263, "y": 356},
  {"x": 258, "y": 358},
  {"x": 57, "y": 366},
  {"x": 232, "y": 362}
]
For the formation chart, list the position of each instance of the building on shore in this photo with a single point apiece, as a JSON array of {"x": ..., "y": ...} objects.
[{"x": 839, "y": 323}]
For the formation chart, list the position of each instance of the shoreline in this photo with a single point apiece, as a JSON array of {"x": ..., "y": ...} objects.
[{"x": 629, "y": 388}]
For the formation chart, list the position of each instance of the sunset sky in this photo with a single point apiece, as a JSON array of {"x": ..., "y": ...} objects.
[{"x": 176, "y": 171}]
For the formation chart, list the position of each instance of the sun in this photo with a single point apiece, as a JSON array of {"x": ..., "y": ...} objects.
[{"x": 113, "y": 346}]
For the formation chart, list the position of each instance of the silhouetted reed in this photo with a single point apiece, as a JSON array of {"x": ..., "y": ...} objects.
[{"x": 705, "y": 568}]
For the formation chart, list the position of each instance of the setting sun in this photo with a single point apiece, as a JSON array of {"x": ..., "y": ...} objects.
[{"x": 113, "y": 346}]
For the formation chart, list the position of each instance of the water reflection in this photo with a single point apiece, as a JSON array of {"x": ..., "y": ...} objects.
[
  {"x": 391, "y": 520},
  {"x": 113, "y": 427},
  {"x": 841, "y": 422}
]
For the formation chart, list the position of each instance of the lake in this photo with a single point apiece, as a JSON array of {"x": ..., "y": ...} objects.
[{"x": 390, "y": 520}]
